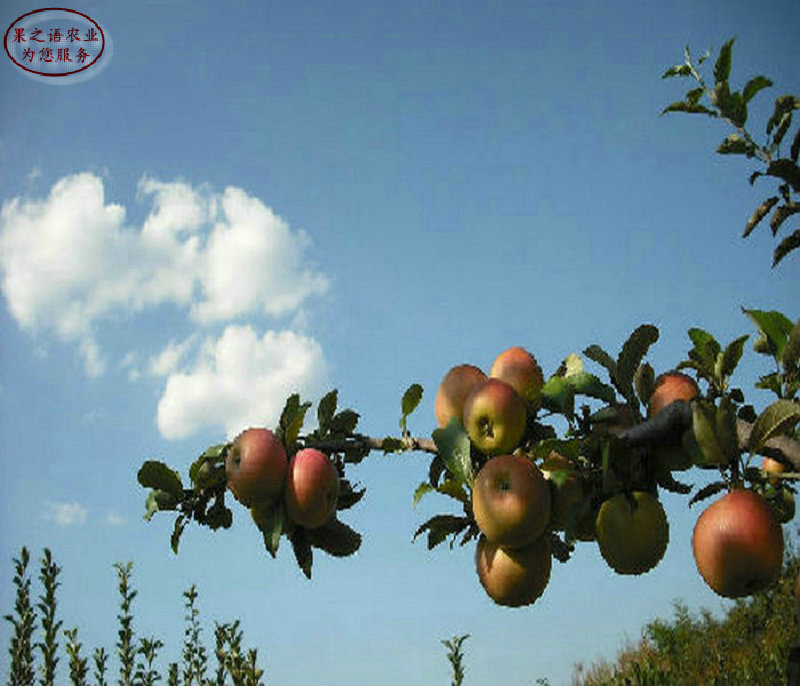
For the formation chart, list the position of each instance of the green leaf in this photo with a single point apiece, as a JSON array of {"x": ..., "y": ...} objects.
[
  {"x": 722, "y": 67},
  {"x": 421, "y": 491},
  {"x": 348, "y": 495},
  {"x": 791, "y": 351},
  {"x": 706, "y": 349},
  {"x": 390, "y": 444},
  {"x": 760, "y": 212},
  {"x": 781, "y": 214},
  {"x": 597, "y": 354},
  {"x": 440, "y": 527},
  {"x": 735, "y": 144},
  {"x": 345, "y": 422},
  {"x": 154, "y": 474},
  {"x": 693, "y": 96},
  {"x": 409, "y": 403},
  {"x": 775, "y": 420},
  {"x": 302, "y": 551},
  {"x": 644, "y": 382},
  {"x": 590, "y": 386},
  {"x": 677, "y": 70},
  {"x": 755, "y": 85},
  {"x": 784, "y": 168},
  {"x": 794, "y": 151},
  {"x": 689, "y": 108},
  {"x": 158, "y": 501},
  {"x": 731, "y": 356},
  {"x": 270, "y": 521},
  {"x": 335, "y": 538},
  {"x": 325, "y": 411},
  {"x": 774, "y": 325},
  {"x": 177, "y": 531},
  {"x": 631, "y": 356},
  {"x": 707, "y": 491},
  {"x": 703, "y": 427},
  {"x": 784, "y": 104},
  {"x": 725, "y": 430},
  {"x": 291, "y": 421},
  {"x": 569, "y": 448},
  {"x": 559, "y": 396},
  {"x": 454, "y": 449},
  {"x": 787, "y": 245}
]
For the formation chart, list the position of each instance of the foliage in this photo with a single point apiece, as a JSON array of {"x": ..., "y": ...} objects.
[
  {"x": 750, "y": 644},
  {"x": 720, "y": 102},
  {"x": 136, "y": 658},
  {"x": 455, "y": 655}
]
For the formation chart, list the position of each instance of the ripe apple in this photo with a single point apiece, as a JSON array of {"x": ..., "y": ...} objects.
[
  {"x": 256, "y": 467},
  {"x": 632, "y": 532},
  {"x": 517, "y": 577},
  {"x": 494, "y": 417},
  {"x": 312, "y": 488},
  {"x": 738, "y": 545},
  {"x": 520, "y": 370},
  {"x": 456, "y": 385},
  {"x": 669, "y": 387},
  {"x": 511, "y": 501}
]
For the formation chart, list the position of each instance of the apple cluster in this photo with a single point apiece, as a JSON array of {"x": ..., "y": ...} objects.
[
  {"x": 511, "y": 501},
  {"x": 259, "y": 474},
  {"x": 517, "y": 503}
]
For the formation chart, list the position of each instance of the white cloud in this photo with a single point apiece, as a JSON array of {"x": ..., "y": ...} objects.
[
  {"x": 69, "y": 262},
  {"x": 65, "y": 514},
  {"x": 113, "y": 519},
  {"x": 240, "y": 380}
]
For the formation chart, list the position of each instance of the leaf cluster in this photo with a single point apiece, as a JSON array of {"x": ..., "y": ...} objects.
[{"x": 721, "y": 101}]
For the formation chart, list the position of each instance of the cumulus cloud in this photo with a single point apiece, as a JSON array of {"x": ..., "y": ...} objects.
[
  {"x": 71, "y": 262},
  {"x": 65, "y": 514},
  {"x": 238, "y": 380}
]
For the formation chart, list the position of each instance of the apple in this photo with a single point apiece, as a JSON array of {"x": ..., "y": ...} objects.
[
  {"x": 738, "y": 544},
  {"x": 255, "y": 467},
  {"x": 494, "y": 417},
  {"x": 456, "y": 385},
  {"x": 511, "y": 501},
  {"x": 312, "y": 488},
  {"x": 669, "y": 387},
  {"x": 632, "y": 532},
  {"x": 520, "y": 370},
  {"x": 514, "y": 578}
]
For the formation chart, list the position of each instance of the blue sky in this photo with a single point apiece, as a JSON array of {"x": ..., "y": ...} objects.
[{"x": 266, "y": 197}]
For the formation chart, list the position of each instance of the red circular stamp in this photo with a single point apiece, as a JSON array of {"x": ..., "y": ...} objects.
[{"x": 57, "y": 45}]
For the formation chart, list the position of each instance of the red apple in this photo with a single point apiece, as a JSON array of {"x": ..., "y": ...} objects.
[
  {"x": 457, "y": 384},
  {"x": 312, "y": 488},
  {"x": 494, "y": 417},
  {"x": 511, "y": 501},
  {"x": 514, "y": 578},
  {"x": 669, "y": 387},
  {"x": 738, "y": 545},
  {"x": 255, "y": 467},
  {"x": 520, "y": 370}
]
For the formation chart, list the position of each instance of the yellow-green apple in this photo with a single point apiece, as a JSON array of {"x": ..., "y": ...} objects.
[
  {"x": 517, "y": 577},
  {"x": 738, "y": 544},
  {"x": 312, "y": 488},
  {"x": 456, "y": 385},
  {"x": 255, "y": 467},
  {"x": 511, "y": 501},
  {"x": 494, "y": 417},
  {"x": 632, "y": 532},
  {"x": 520, "y": 370}
]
